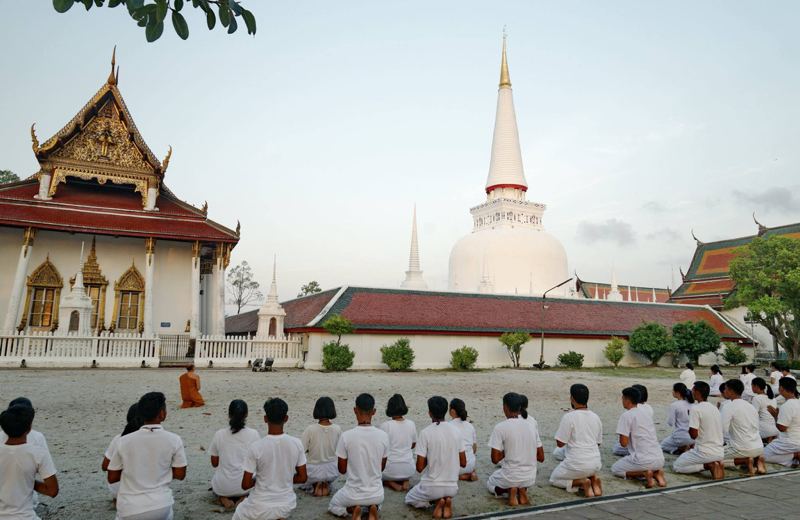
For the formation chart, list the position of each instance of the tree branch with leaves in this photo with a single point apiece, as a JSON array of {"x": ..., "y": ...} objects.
[{"x": 242, "y": 287}]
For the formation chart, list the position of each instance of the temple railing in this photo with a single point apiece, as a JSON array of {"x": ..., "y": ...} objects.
[
  {"x": 239, "y": 351},
  {"x": 51, "y": 349}
]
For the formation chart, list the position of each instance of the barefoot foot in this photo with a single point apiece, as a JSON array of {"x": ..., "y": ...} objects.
[
  {"x": 761, "y": 466},
  {"x": 356, "y": 513},
  {"x": 394, "y": 485},
  {"x": 473, "y": 476},
  {"x": 523, "y": 497},
  {"x": 751, "y": 468},
  {"x": 660, "y": 480},
  {"x": 318, "y": 489},
  {"x": 513, "y": 498},
  {"x": 588, "y": 491},
  {"x": 373, "y": 513},
  {"x": 226, "y": 502},
  {"x": 406, "y": 485},
  {"x": 439, "y": 509},
  {"x": 447, "y": 512},
  {"x": 648, "y": 479},
  {"x": 597, "y": 486}
]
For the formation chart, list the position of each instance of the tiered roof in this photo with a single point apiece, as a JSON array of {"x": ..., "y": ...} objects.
[{"x": 640, "y": 294}]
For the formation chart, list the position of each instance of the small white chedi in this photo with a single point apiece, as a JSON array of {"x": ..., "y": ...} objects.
[{"x": 508, "y": 250}]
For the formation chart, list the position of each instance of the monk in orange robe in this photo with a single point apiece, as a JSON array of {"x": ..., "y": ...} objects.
[{"x": 190, "y": 388}]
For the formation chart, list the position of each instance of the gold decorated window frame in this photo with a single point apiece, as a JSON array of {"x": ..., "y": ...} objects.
[
  {"x": 44, "y": 277},
  {"x": 130, "y": 281}
]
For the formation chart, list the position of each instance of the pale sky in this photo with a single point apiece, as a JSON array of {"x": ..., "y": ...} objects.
[{"x": 638, "y": 122}]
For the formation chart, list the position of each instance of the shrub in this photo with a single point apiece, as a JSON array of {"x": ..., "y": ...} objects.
[
  {"x": 695, "y": 338},
  {"x": 651, "y": 340},
  {"x": 513, "y": 342},
  {"x": 571, "y": 359},
  {"x": 337, "y": 357},
  {"x": 399, "y": 355},
  {"x": 463, "y": 358},
  {"x": 615, "y": 351},
  {"x": 794, "y": 364},
  {"x": 734, "y": 353},
  {"x": 338, "y": 326}
]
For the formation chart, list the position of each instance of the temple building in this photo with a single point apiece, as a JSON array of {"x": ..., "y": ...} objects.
[
  {"x": 508, "y": 250},
  {"x": 614, "y": 292},
  {"x": 97, "y": 218}
]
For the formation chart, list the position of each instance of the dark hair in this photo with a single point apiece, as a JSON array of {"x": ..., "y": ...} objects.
[
  {"x": 437, "y": 406},
  {"x": 523, "y": 406},
  {"x": 632, "y": 395},
  {"x": 189, "y": 367},
  {"x": 684, "y": 392},
  {"x": 151, "y": 404},
  {"x": 21, "y": 400},
  {"x": 365, "y": 402},
  {"x": 276, "y": 409},
  {"x": 760, "y": 383},
  {"x": 642, "y": 392},
  {"x": 703, "y": 389},
  {"x": 751, "y": 368},
  {"x": 716, "y": 370},
  {"x": 396, "y": 406},
  {"x": 16, "y": 421},
  {"x": 775, "y": 365},
  {"x": 689, "y": 365},
  {"x": 735, "y": 385},
  {"x": 788, "y": 384},
  {"x": 324, "y": 409},
  {"x": 237, "y": 411},
  {"x": 786, "y": 368},
  {"x": 460, "y": 408},
  {"x": 580, "y": 393},
  {"x": 512, "y": 401},
  {"x": 133, "y": 420}
]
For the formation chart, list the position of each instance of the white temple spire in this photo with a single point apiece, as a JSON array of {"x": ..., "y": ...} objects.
[
  {"x": 654, "y": 295},
  {"x": 486, "y": 285},
  {"x": 271, "y": 315},
  {"x": 273, "y": 287},
  {"x": 414, "y": 279},
  {"x": 79, "y": 276},
  {"x": 614, "y": 294}
]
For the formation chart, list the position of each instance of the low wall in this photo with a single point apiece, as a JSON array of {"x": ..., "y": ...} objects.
[{"x": 49, "y": 350}]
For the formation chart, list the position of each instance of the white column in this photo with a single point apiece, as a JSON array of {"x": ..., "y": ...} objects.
[
  {"x": 221, "y": 259},
  {"x": 19, "y": 279},
  {"x": 194, "y": 328},
  {"x": 149, "y": 285},
  {"x": 151, "y": 200},
  {"x": 44, "y": 186}
]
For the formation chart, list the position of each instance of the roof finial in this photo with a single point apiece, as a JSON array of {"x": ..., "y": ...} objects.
[
  {"x": 112, "y": 80},
  {"x": 505, "y": 79},
  {"x": 165, "y": 164},
  {"x": 699, "y": 243},
  {"x": 35, "y": 144},
  {"x": 761, "y": 227}
]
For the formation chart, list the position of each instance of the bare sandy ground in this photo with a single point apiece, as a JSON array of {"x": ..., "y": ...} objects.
[{"x": 79, "y": 411}]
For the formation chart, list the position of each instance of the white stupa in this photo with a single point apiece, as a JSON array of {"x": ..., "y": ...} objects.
[
  {"x": 507, "y": 238},
  {"x": 414, "y": 279}
]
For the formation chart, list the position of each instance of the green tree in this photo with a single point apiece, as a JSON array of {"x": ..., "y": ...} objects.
[
  {"x": 651, "y": 340},
  {"x": 734, "y": 354},
  {"x": 399, "y": 356},
  {"x": 695, "y": 338},
  {"x": 242, "y": 287},
  {"x": 7, "y": 176},
  {"x": 514, "y": 341},
  {"x": 311, "y": 287},
  {"x": 152, "y": 14},
  {"x": 767, "y": 276},
  {"x": 338, "y": 326},
  {"x": 463, "y": 358},
  {"x": 615, "y": 350}
]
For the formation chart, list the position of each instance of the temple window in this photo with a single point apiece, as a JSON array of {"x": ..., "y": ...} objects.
[
  {"x": 128, "y": 299},
  {"x": 44, "y": 293},
  {"x": 128, "y": 310},
  {"x": 42, "y": 307}
]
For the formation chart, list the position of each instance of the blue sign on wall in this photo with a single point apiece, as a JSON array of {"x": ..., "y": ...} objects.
[{"x": 166, "y": 324}]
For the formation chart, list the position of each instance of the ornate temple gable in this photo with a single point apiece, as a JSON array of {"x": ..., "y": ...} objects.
[
  {"x": 131, "y": 280},
  {"x": 92, "y": 275},
  {"x": 46, "y": 275}
]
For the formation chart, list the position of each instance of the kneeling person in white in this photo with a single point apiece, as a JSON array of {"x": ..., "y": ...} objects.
[
  {"x": 580, "y": 434},
  {"x": 271, "y": 467},
  {"x": 20, "y": 462},
  {"x": 228, "y": 450},
  {"x": 35, "y": 438},
  {"x": 705, "y": 427},
  {"x": 145, "y": 463},
  {"x": 785, "y": 450},
  {"x": 740, "y": 422},
  {"x": 516, "y": 442},
  {"x": 619, "y": 449},
  {"x": 458, "y": 411},
  {"x": 362, "y": 454},
  {"x": 320, "y": 440},
  {"x": 637, "y": 432},
  {"x": 440, "y": 454}
]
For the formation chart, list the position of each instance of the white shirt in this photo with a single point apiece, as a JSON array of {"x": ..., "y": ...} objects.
[
  {"x": 776, "y": 375},
  {"x": 740, "y": 421},
  {"x": 468, "y": 436},
  {"x": 34, "y": 439},
  {"x": 747, "y": 379},
  {"x": 231, "y": 448},
  {"x": 320, "y": 442},
  {"x": 112, "y": 448},
  {"x": 518, "y": 439},
  {"x": 760, "y": 403},
  {"x": 688, "y": 378},
  {"x": 582, "y": 432},
  {"x": 678, "y": 416},
  {"x": 638, "y": 426},
  {"x": 146, "y": 458},
  {"x": 364, "y": 447},
  {"x": 706, "y": 419},
  {"x": 440, "y": 443},
  {"x": 20, "y": 463},
  {"x": 789, "y": 416},
  {"x": 273, "y": 461},
  {"x": 714, "y": 382},
  {"x": 648, "y": 409},
  {"x": 402, "y": 434}
]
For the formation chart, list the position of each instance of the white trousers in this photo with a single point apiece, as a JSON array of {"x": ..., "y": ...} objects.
[
  {"x": 325, "y": 472},
  {"x": 398, "y": 471},
  {"x": 343, "y": 499},
  {"x": 731, "y": 453},
  {"x": 165, "y": 513},
  {"x": 261, "y": 513},
  {"x": 570, "y": 470},
  {"x": 692, "y": 461},
  {"x": 470, "y": 467},
  {"x": 678, "y": 439},
  {"x": 626, "y": 464},
  {"x": 560, "y": 453},
  {"x": 422, "y": 495},
  {"x": 620, "y": 450},
  {"x": 767, "y": 428},
  {"x": 499, "y": 480},
  {"x": 780, "y": 452}
]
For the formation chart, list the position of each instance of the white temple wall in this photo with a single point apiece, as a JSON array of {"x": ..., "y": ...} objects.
[
  {"x": 762, "y": 335},
  {"x": 172, "y": 298}
]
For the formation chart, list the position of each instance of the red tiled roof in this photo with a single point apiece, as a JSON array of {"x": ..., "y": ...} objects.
[
  {"x": 111, "y": 210},
  {"x": 301, "y": 311},
  {"x": 244, "y": 323},
  {"x": 437, "y": 312}
]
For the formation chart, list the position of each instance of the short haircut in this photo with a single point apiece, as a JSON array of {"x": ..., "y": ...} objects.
[
  {"x": 189, "y": 367},
  {"x": 21, "y": 400},
  {"x": 788, "y": 384},
  {"x": 324, "y": 409},
  {"x": 751, "y": 368},
  {"x": 512, "y": 401},
  {"x": 632, "y": 395},
  {"x": 396, "y": 406},
  {"x": 150, "y": 405},
  {"x": 365, "y": 402},
  {"x": 16, "y": 421},
  {"x": 786, "y": 368},
  {"x": 276, "y": 409},
  {"x": 642, "y": 392},
  {"x": 735, "y": 385},
  {"x": 703, "y": 389},
  {"x": 437, "y": 406},
  {"x": 690, "y": 366},
  {"x": 580, "y": 393}
]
